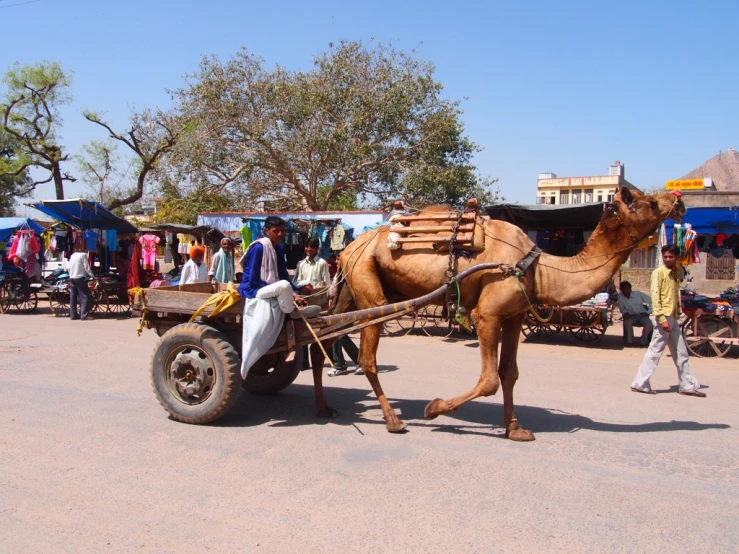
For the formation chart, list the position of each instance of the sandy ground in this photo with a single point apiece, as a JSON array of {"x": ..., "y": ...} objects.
[{"x": 89, "y": 461}]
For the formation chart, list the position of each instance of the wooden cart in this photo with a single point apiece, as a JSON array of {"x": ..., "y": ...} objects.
[
  {"x": 196, "y": 367},
  {"x": 585, "y": 323},
  {"x": 710, "y": 334}
]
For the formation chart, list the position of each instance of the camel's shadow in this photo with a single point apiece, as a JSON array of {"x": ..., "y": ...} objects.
[{"x": 295, "y": 406}]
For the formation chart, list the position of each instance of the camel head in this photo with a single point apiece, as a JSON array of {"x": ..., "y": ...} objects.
[{"x": 641, "y": 214}]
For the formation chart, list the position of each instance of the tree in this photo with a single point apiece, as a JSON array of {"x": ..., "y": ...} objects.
[
  {"x": 150, "y": 136},
  {"x": 30, "y": 115},
  {"x": 97, "y": 168},
  {"x": 12, "y": 187},
  {"x": 176, "y": 207},
  {"x": 362, "y": 123}
]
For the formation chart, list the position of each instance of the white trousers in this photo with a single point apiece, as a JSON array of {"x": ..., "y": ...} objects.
[
  {"x": 678, "y": 349},
  {"x": 263, "y": 320}
]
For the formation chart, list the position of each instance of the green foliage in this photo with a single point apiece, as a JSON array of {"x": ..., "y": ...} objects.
[
  {"x": 12, "y": 187},
  {"x": 176, "y": 207},
  {"x": 33, "y": 94},
  {"x": 366, "y": 122}
]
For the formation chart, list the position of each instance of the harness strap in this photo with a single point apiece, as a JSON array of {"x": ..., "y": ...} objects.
[{"x": 525, "y": 262}]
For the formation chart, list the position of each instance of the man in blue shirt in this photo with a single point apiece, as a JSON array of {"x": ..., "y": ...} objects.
[{"x": 268, "y": 293}]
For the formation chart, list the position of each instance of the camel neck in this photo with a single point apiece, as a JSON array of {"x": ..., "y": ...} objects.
[{"x": 563, "y": 281}]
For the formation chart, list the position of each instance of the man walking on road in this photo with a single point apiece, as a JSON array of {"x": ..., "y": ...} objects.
[
  {"x": 635, "y": 307},
  {"x": 79, "y": 271},
  {"x": 666, "y": 310}
]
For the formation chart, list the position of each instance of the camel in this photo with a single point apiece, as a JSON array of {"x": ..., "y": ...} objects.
[{"x": 497, "y": 301}]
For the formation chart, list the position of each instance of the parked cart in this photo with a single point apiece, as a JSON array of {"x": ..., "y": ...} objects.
[
  {"x": 585, "y": 323},
  {"x": 710, "y": 334},
  {"x": 17, "y": 292}
]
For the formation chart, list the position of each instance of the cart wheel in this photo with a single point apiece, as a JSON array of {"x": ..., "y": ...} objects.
[
  {"x": 118, "y": 303},
  {"x": 4, "y": 297},
  {"x": 533, "y": 329},
  {"x": 711, "y": 340},
  {"x": 274, "y": 372},
  {"x": 28, "y": 303},
  {"x": 99, "y": 300},
  {"x": 435, "y": 324},
  {"x": 195, "y": 373},
  {"x": 585, "y": 329},
  {"x": 402, "y": 325},
  {"x": 59, "y": 302}
]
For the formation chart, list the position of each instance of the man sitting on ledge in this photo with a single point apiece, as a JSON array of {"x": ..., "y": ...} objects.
[
  {"x": 635, "y": 308},
  {"x": 268, "y": 294}
]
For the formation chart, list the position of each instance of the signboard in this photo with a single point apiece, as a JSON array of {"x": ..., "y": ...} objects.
[{"x": 685, "y": 184}]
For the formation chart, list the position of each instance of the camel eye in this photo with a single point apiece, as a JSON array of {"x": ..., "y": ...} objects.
[{"x": 655, "y": 205}]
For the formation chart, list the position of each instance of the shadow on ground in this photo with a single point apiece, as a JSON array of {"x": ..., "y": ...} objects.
[{"x": 295, "y": 406}]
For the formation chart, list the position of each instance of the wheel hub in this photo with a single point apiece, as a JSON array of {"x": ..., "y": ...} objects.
[{"x": 191, "y": 374}]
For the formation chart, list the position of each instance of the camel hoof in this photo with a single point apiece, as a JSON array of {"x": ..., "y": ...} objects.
[
  {"x": 396, "y": 427},
  {"x": 520, "y": 435},
  {"x": 434, "y": 408},
  {"x": 327, "y": 412}
]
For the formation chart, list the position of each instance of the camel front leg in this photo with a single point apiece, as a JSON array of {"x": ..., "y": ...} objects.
[
  {"x": 488, "y": 329},
  {"x": 508, "y": 371},
  {"x": 369, "y": 341},
  {"x": 317, "y": 359}
]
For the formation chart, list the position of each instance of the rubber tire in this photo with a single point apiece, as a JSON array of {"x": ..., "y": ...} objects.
[
  {"x": 226, "y": 364},
  {"x": 258, "y": 382}
]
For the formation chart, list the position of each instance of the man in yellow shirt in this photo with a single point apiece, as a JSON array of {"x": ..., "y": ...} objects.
[{"x": 666, "y": 310}]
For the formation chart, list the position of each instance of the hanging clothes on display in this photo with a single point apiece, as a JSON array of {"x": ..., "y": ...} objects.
[
  {"x": 337, "y": 239},
  {"x": 91, "y": 238},
  {"x": 245, "y": 236},
  {"x": 168, "y": 240},
  {"x": 133, "y": 278},
  {"x": 149, "y": 250}
]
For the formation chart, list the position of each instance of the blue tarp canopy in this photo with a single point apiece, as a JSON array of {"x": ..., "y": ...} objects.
[
  {"x": 84, "y": 214},
  {"x": 8, "y": 225},
  {"x": 709, "y": 221}
]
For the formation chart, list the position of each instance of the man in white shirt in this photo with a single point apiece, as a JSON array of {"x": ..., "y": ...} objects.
[
  {"x": 222, "y": 266},
  {"x": 79, "y": 271},
  {"x": 635, "y": 308},
  {"x": 194, "y": 271},
  {"x": 311, "y": 272}
]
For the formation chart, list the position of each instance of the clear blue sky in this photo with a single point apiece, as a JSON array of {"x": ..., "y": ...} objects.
[{"x": 566, "y": 87}]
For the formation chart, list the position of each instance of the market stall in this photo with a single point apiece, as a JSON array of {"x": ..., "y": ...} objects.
[
  {"x": 107, "y": 238},
  {"x": 20, "y": 264}
]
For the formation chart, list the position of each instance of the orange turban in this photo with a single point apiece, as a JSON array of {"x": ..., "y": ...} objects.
[{"x": 195, "y": 250}]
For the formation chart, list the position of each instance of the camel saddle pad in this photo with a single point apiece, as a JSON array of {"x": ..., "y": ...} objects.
[{"x": 435, "y": 228}]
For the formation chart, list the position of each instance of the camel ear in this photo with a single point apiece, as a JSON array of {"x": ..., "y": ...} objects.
[{"x": 626, "y": 196}]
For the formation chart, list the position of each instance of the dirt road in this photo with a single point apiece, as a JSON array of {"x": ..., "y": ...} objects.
[{"x": 89, "y": 462}]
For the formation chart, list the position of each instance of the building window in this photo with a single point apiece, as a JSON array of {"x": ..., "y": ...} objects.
[
  {"x": 643, "y": 258},
  {"x": 720, "y": 269},
  {"x": 541, "y": 200},
  {"x": 600, "y": 197},
  {"x": 588, "y": 197},
  {"x": 610, "y": 197},
  {"x": 576, "y": 196},
  {"x": 564, "y": 197},
  {"x": 552, "y": 199}
]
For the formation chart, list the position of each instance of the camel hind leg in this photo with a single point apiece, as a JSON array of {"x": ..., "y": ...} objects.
[
  {"x": 367, "y": 293},
  {"x": 488, "y": 330},
  {"x": 508, "y": 372},
  {"x": 369, "y": 341}
]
